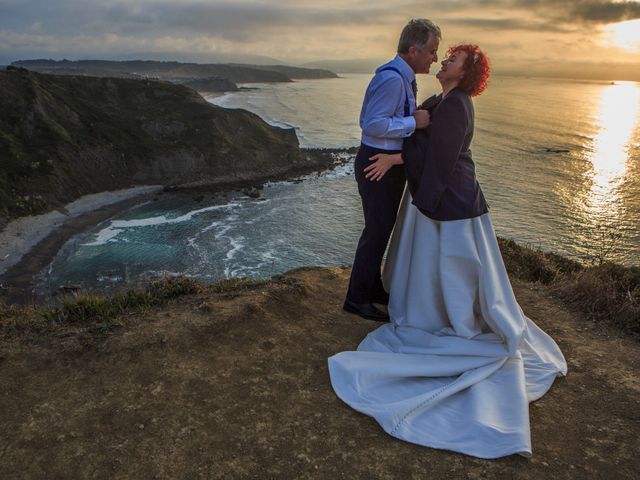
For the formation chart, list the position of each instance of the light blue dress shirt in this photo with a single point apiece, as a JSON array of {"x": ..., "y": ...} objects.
[{"x": 382, "y": 117}]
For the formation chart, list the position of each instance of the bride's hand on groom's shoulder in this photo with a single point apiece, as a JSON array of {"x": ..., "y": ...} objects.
[{"x": 382, "y": 162}]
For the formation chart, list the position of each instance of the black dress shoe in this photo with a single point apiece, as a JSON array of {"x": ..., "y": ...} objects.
[
  {"x": 365, "y": 310},
  {"x": 382, "y": 298}
]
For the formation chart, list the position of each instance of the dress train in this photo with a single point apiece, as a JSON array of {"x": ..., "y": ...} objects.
[{"x": 459, "y": 362}]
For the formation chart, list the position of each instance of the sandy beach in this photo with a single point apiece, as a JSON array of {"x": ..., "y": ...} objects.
[{"x": 41, "y": 236}]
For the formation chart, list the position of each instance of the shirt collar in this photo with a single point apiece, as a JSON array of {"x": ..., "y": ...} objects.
[{"x": 404, "y": 67}]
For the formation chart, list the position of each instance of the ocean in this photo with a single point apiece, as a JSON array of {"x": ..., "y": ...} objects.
[{"x": 558, "y": 160}]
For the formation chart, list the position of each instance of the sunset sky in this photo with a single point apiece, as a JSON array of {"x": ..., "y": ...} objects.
[{"x": 581, "y": 38}]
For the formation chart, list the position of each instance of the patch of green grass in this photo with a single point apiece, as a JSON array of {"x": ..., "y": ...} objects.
[
  {"x": 171, "y": 287},
  {"x": 89, "y": 309}
]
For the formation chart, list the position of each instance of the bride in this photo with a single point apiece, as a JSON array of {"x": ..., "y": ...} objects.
[{"x": 459, "y": 362}]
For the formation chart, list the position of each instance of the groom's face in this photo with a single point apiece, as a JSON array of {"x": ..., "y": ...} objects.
[{"x": 421, "y": 58}]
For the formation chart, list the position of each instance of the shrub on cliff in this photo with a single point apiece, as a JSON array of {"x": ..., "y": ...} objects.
[
  {"x": 534, "y": 265},
  {"x": 606, "y": 293},
  {"x": 94, "y": 310}
]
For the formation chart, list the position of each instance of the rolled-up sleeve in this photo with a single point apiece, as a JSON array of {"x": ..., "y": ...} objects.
[{"x": 381, "y": 118}]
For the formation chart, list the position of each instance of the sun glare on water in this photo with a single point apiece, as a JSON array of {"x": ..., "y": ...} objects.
[
  {"x": 618, "y": 118},
  {"x": 625, "y": 34}
]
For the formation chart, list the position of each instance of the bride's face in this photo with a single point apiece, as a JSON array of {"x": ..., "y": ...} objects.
[{"x": 452, "y": 69}]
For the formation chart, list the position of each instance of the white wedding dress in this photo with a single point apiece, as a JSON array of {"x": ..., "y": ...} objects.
[{"x": 459, "y": 362}]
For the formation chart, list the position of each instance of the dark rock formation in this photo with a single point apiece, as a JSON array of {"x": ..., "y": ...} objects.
[{"x": 62, "y": 137}]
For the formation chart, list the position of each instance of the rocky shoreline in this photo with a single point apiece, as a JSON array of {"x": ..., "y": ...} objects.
[
  {"x": 77, "y": 150},
  {"x": 29, "y": 244},
  {"x": 20, "y": 236}
]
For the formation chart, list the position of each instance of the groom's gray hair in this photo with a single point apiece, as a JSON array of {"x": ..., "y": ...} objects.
[{"x": 416, "y": 33}]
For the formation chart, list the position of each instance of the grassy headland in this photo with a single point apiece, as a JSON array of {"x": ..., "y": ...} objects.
[
  {"x": 230, "y": 381},
  {"x": 62, "y": 137}
]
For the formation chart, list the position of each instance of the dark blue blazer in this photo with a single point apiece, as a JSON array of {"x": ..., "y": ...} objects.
[{"x": 440, "y": 172}]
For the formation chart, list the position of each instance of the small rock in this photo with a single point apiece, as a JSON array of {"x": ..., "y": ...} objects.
[{"x": 253, "y": 192}]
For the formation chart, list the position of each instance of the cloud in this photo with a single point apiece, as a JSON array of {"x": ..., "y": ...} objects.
[
  {"x": 512, "y": 24},
  {"x": 231, "y": 19},
  {"x": 570, "y": 11},
  {"x": 294, "y": 30},
  {"x": 606, "y": 12}
]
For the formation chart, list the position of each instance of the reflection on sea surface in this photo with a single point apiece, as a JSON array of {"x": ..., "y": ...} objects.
[
  {"x": 618, "y": 118},
  {"x": 604, "y": 172}
]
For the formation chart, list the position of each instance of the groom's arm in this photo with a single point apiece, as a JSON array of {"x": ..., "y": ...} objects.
[{"x": 380, "y": 118}]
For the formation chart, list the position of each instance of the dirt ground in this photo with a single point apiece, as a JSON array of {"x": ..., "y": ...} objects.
[{"x": 235, "y": 385}]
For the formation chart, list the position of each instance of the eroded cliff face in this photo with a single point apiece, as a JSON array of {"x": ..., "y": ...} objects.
[{"x": 62, "y": 137}]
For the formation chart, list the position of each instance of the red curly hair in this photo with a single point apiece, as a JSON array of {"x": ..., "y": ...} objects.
[{"x": 476, "y": 69}]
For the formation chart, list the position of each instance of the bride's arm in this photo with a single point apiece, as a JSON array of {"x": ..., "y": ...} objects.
[{"x": 382, "y": 162}]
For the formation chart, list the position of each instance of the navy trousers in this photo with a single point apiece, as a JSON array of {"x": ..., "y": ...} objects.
[{"x": 380, "y": 202}]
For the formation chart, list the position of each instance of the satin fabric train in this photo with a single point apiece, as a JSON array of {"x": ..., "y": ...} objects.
[{"x": 459, "y": 362}]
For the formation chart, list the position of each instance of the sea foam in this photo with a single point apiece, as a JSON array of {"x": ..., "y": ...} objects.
[{"x": 116, "y": 227}]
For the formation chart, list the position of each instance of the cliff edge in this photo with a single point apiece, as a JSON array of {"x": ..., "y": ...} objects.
[
  {"x": 230, "y": 381},
  {"x": 62, "y": 137}
]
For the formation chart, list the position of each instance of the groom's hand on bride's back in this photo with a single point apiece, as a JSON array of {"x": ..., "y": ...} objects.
[{"x": 422, "y": 119}]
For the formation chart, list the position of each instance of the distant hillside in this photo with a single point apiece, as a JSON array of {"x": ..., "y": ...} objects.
[
  {"x": 173, "y": 71},
  {"x": 365, "y": 65},
  {"x": 195, "y": 57},
  {"x": 65, "y": 136},
  {"x": 297, "y": 72},
  {"x": 211, "y": 84}
]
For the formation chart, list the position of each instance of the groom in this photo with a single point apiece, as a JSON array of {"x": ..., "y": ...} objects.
[{"x": 388, "y": 116}]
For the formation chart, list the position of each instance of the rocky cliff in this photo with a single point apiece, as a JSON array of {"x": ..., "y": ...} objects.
[{"x": 65, "y": 136}]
